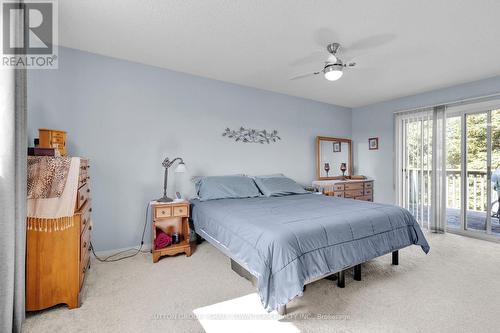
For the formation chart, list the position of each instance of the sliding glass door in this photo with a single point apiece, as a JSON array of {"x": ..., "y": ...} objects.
[
  {"x": 472, "y": 154},
  {"x": 448, "y": 171},
  {"x": 476, "y": 143}
]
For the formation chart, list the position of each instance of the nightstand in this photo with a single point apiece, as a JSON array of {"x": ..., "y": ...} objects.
[{"x": 171, "y": 217}]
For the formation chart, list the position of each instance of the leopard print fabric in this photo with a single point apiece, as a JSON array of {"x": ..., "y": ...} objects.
[{"x": 47, "y": 176}]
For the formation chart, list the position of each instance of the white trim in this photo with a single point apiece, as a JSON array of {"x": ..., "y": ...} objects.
[
  {"x": 479, "y": 107},
  {"x": 105, "y": 253},
  {"x": 475, "y": 234},
  {"x": 455, "y": 103}
]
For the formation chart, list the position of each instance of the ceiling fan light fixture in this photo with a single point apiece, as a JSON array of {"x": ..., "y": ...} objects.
[{"x": 333, "y": 72}]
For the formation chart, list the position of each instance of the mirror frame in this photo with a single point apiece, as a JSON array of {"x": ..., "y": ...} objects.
[{"x": 326, "y": 138}]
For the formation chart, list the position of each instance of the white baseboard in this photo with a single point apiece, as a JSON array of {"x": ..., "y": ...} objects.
[{"x": 106, "y": 253}]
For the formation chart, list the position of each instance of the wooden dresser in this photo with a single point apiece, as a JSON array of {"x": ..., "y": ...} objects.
[
  {"x": 351, "y": 189},
  {"x": 58, "y": 252}
]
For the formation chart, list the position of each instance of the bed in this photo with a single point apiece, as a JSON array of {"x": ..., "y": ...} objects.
[{"x": 288, "y": 241}]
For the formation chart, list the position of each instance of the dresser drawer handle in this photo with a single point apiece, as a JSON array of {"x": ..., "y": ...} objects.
[
  {"x": 88, "y": 190},
  {"x": 90, "y": 209},
  {"x": 84, "y": 222},
  {"x": 163, "y": 212},
  {"x": 84, "y": 244},
  {"x": 82, "y": 197}
]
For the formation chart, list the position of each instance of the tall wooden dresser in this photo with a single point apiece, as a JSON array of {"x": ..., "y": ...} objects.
[{"x": 58, "y": 252}]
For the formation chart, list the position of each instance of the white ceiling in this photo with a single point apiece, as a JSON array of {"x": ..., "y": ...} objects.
[{"x": 402, "y": 47}]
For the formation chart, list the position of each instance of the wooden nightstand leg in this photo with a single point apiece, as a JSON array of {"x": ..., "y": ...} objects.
[
  {"x": 188, "y": 252},
  {"x": 156, "y": 257}
]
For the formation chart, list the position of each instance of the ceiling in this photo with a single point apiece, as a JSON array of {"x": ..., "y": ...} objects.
[{"x": 401, "y": 47}]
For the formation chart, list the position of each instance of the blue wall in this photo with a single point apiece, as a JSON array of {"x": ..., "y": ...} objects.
[{"x": 126, "y": 117}]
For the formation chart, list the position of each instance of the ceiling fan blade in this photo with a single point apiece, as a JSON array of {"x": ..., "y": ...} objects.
[
  {"x": 353, "y": 62},
  {"x": 315, "y": 56},
  {"x": 302, "y": 76}
]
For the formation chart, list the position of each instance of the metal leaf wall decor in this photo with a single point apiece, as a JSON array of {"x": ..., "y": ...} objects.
[{"x": 251, "y": 135}]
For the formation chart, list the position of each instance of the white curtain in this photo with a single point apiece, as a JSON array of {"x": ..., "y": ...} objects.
[
  {"x": 420, "y": 170},
  {"x": 13, "y": 151}
]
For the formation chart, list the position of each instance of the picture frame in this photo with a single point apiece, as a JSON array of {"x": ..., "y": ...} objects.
[
  {"x": 373, "y": 143},
  {"x": 337, "y": 147}
]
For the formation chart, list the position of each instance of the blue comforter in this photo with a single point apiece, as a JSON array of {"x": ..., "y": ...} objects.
[{"x": 287, "y": 241}]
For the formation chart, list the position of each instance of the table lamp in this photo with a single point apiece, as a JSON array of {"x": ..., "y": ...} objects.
[{"x": 181, "y": 167}]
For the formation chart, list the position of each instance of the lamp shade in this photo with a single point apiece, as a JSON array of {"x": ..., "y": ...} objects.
[{"x": 181, "y": 167}]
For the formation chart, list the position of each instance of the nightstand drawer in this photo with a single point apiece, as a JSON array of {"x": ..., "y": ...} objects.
[
  {"x": 369, "y": 185},
  {"x": 338, "y": 194},
  {"x": 180, "y": 211},
  {"x": 161, "y": 212},
  {"x": 368, "y": 191}
]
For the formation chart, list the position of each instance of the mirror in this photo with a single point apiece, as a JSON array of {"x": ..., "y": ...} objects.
[{"x": 333, "y": 155}]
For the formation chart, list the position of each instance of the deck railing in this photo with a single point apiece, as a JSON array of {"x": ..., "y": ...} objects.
[{"x": 477, "y": 186}]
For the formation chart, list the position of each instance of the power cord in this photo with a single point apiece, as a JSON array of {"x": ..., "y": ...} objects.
[{"x": 138, "y": 250}]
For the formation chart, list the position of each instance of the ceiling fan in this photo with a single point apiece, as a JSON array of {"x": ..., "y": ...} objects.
[{"x": 334, "y": 66}]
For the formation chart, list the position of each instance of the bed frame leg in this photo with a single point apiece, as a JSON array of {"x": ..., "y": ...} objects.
[
  {"x": 395, "y": 258},
  {"x": 282, "y": 310},
  {"x": 357, "y": 272},
  {"x": 341, "y": 280}
]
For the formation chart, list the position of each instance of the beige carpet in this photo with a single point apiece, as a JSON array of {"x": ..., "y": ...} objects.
[{"x": 456, "y": 288}]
